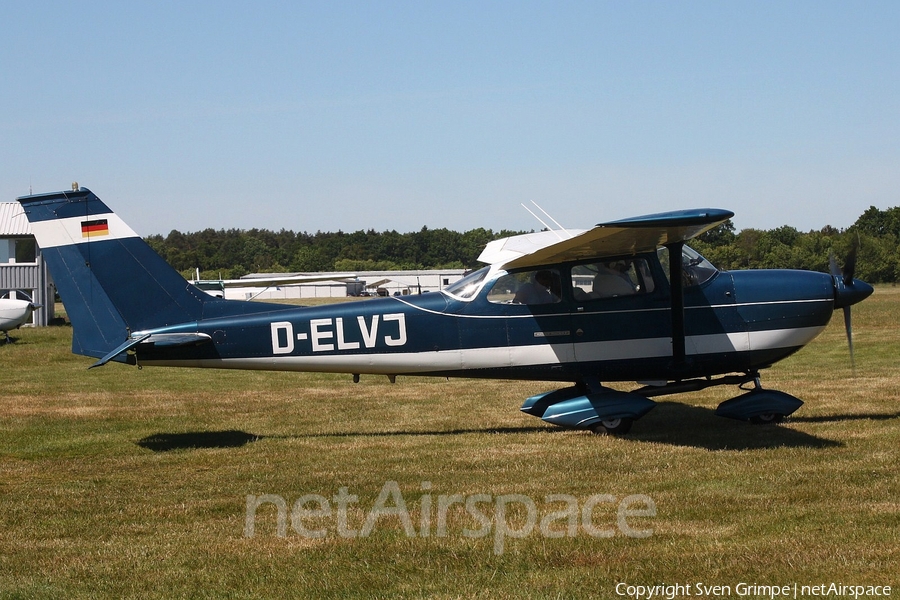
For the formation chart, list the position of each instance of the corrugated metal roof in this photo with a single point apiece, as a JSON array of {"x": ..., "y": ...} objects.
[{"x": 13, "y": 220}]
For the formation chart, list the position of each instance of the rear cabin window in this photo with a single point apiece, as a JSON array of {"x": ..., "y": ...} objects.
[
  {"x": 541, "y": 286},
  {"x": 611, "y": 279}
]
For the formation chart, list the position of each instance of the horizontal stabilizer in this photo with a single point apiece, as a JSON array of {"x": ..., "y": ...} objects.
[
  {"x": 120, "y": 350},
  {"x": 169, "y": 340}
]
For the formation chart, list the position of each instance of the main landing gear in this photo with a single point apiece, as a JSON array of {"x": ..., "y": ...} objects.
[
  {"x": 612, "y": 427},
  {"x": 604, "y": 411},
  {"x": 611, "y": 412}
]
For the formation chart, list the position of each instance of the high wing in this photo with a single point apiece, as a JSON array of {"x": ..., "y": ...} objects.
[{"x": 615, "y": 238}]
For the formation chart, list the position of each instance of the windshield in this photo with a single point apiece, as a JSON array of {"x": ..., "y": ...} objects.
[
  {"x": 695, "y": 270},
  {"x": 466, "y": 287}
]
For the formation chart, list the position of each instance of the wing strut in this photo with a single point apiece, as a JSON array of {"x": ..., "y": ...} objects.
[{"x": 676, "y": 283}]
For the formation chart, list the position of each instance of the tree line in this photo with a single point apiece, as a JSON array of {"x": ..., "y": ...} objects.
[
  {"x": 875, "y": 235},
  {"x": 232, "y": 253}
]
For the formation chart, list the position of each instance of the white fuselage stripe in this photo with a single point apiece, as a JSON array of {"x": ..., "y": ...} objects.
[
  {"x": 609, "y": 312},
  {"x": 514, "y": 356}
]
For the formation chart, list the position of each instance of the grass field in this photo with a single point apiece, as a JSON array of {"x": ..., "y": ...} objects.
[{"x": 119, "y": 482}]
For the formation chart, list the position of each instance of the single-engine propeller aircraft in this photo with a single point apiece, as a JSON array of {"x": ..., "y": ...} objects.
[
  {"x": 622, "y": 301},
  {"x": 14, "y": 313}
]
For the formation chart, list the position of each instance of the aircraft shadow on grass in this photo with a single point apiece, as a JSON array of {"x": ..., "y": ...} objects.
[
  {"x": 671, "y": 423},
  {"x": 847, "y": 417},
  {"x": 194, "y": 440},
  {"x": 693, "y": 426}
]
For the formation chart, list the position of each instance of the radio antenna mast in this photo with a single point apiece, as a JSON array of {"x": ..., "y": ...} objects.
[
  {"x": 549, "y": 216},
  {"x": 542, "y": 222}
]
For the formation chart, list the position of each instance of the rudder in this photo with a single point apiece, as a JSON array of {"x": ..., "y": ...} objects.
[{"x": 111, "y": 281}]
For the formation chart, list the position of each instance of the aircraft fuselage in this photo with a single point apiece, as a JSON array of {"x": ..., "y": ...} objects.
[
  {"x": 623, "y": 301},
  {"x": 735, "y": 322}
]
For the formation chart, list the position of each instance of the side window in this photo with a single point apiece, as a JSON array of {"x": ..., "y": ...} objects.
[
  {"x": 611, "y": 279},
  {"x": 527, "y": 287}
]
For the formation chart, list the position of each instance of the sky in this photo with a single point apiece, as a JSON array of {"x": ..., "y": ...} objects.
[{"x": 326, "y": 116}]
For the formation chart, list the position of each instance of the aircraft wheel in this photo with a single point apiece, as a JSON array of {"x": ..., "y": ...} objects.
[
  {"x": 767, "y": 419},
  {"x": 612, "y": 427}
]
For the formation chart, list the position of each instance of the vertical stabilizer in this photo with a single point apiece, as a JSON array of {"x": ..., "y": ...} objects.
[{"x": 111, "y": 281}]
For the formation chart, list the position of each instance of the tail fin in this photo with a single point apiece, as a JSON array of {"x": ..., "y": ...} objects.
[{"x": 111, "y": 281}]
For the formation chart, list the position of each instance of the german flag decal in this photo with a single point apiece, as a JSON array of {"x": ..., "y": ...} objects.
[{"x": 96, "y": 228}]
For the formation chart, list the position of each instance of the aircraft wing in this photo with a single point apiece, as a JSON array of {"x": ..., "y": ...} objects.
[
  {"x": 409, "y": 281},
  {"x": 616, "y": 238},
  {"x": 287, "y": 280},
  {"x": 378, "y": 284}
]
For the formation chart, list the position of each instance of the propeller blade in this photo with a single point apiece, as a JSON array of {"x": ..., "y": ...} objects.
[
  {"x": 850, "y": 266},
  {"x": 848, "y": 325},
  {"x": 833, "y": 266},
  {"x": 846, "y": 277}
]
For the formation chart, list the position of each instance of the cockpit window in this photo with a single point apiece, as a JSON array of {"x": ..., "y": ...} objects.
[
  {"x": 469, "y": 285},
  {"x": 695, "y": 270}
]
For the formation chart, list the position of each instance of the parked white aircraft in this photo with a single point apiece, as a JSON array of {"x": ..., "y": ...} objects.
[{"x": 14, "y": 313}]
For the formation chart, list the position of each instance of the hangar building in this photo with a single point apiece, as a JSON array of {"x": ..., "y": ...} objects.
[{"x": 22, "y": 270}]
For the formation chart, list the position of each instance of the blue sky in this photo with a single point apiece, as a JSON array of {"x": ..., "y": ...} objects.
[{"x": 399, "y": 115}]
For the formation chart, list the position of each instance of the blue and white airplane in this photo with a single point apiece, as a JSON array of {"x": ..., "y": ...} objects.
[{"x": 622, "y": 301}]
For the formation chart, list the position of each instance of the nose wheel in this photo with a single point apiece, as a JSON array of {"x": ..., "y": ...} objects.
[
  {"x": 760, "y": 406},
  {"x": 767, "y": 419}
]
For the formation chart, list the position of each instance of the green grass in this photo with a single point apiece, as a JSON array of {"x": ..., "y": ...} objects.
[{"x": 119, "y": 482}]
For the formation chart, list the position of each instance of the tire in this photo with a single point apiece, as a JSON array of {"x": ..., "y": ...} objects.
[
  {"x": 767, "y": 419},
  {"x": 612, "y": 427}
]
